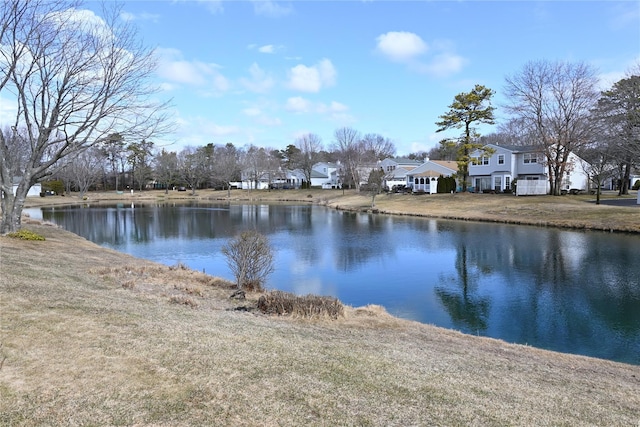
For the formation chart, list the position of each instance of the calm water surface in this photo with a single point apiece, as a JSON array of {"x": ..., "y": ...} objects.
[{"x": 569, "y": 291}]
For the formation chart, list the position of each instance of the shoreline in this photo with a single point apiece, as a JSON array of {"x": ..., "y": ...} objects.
[{"x": 570, "y": 212}]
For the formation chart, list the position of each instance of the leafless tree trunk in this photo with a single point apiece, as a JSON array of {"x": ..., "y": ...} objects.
[
  {"x": 227, "y": 165},
  {"x": 348, "y": 148},
  {"x": 309, "y": 145},
  {"x": 84, "y": 169},
  {"x": 70, "y": 79},
  {"x": 553, "y": 101}
]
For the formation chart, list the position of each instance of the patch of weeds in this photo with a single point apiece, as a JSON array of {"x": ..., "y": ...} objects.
[
  {"x": 183, "y": 300},
  {"x": 179, "y": 266},
  {"x": 308, "y": 306},
  {"x": 129, "y": 284},
  {"x": 25, "y": 234},
  {"x": 191, "y": 290}
]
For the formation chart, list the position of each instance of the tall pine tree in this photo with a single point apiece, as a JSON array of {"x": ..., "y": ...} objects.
[{"x": 466, "y": 110}]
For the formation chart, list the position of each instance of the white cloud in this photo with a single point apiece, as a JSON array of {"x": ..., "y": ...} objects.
[
  {"x": 252, "y": 111},
  {"x": 334, "y": 110},
  {"x": 259, "y": 82},
  {"x": 314, "y": 78},
  {"x": 128, "y": 16},
  {"x": 439, "y": 59},
  {"x": 401, "y": 46},
  {"x": 213, "y": 6},
  {"x": 445, "y": 64},
  {"x": 271, "y": 9},
  {"x": 174, "y": 68},
  {"x": 269, "y": 48},
  {"x": 298, "y": 104}
]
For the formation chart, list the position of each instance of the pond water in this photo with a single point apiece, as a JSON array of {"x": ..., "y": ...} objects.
[{"x": 568, "y": 291}]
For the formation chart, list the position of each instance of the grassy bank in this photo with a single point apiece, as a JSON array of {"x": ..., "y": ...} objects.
[{"x": 90, "y": 336}]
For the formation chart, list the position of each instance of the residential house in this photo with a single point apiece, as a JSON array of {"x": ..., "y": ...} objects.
[
  {"x": 270, "y": 179},
  {"x": 424, "y": 178},
  {"x": 396, "y": 170},
  {"x": 527, "y": 164},
  {"x": 325, "y": 175}
]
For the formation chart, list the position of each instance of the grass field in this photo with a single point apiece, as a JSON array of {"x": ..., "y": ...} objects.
[{"x": 90, "y": 336}]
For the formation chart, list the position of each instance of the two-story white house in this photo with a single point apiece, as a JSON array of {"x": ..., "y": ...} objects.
[
  {"x": 524, "y": 163},
  {"x": 424, "y": 178}
]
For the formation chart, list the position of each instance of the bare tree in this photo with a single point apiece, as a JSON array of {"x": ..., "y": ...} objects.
[
  {"x": 85, "y": 169},
  {"x": 375, "y": 183},
  {"x": 250, "y": 258},
  {"x": 553, "y": 101},
  {"x": 166, "y": 168},
  {"x": 376, "y": 147},
  {"x": 71, "y": 79},
  {"x": 309, "y": 146},
  {"x": 258, "y": 165},
  {"x": 226, "y": 165},
  {"x": 192, "y": 167},
  {"x": 348, "y": 149}
]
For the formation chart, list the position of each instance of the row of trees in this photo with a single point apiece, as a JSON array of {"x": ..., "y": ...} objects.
[{"x": 115, "y": 164}]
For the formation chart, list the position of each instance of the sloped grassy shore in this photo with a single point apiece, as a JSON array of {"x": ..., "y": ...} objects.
[{"x": 93, "y": 337}]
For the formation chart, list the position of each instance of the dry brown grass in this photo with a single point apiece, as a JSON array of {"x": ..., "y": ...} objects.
[
  {"x": 89, "y": 336},
  {"x": 307, "y": 306}
]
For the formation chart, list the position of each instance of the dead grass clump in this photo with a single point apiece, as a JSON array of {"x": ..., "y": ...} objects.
[
  {"x": 191, "y": 290},
  {"x": 183, "y": 300},
  {"x": 308, "y": 306}
]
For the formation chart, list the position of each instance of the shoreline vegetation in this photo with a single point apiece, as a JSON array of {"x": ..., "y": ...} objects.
[{"x": 90, "y": 336}]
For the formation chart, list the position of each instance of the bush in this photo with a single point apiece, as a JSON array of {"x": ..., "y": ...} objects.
[
  {"x": 636, "y": 185},
  {"x": 24, "y": 234},
  {"x": 309, "y": 306},
  {"x": 250, "y": 258}
]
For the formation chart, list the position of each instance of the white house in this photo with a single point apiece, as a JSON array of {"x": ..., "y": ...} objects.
[
  {"x": 396, "y": 170},
  {"x": 325, "y": 175},
  {"x": 527, "y": 164},
  {"x": 424, "y": 178}
]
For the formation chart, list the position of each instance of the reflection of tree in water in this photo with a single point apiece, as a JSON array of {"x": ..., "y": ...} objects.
[
  {"x": 362, "y": 238},
  {"x": 469, "y": 311}
]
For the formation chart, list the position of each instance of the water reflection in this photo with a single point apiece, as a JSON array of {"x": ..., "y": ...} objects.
[{"x": 565, "y": 290}]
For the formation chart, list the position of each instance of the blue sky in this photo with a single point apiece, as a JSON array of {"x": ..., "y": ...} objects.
[{"x": 265, "y": 72}]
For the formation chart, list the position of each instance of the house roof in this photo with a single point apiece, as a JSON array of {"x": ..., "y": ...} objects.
[
  {"x": 447, "y": 164},
  {"x": 429, "y": 173},
  {"x": 519, "y": 148}
]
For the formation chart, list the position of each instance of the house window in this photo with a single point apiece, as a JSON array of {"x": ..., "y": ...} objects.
[
  {"x": 530, "y": 158},
  {"x": 474, "y": 161},
  {"x": 484, "y": 160},
  {"x": 507, "y": 183},
  {"x": 501, "y": 159}
]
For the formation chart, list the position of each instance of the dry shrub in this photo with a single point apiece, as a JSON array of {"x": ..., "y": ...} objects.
[{"x": 308, "y": 306}]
